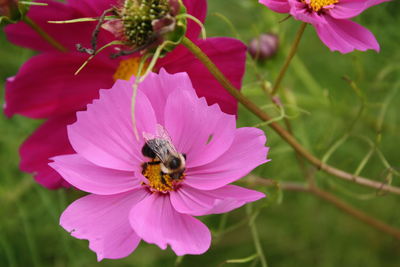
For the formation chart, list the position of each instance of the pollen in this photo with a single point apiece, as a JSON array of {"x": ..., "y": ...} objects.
[
  {"x": 317, "y": 5},
  {"x": 127, "y": 68},
  {"x": 157, "y": 180}
]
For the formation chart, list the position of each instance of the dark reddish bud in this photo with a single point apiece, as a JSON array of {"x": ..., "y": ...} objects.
[
  {"x": 264, "y": 46},
  {"x": 8, "y": 8}
]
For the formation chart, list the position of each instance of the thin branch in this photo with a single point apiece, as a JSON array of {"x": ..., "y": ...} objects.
[
  {"x": 279, "y": 129},
  {"x": 340, "y": 204},
  {"x": 256, "y": 238},
  {"x": 289, "y": 58}
]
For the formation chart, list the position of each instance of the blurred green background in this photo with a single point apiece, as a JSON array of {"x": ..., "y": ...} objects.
[{"x": 295, "y": 228}]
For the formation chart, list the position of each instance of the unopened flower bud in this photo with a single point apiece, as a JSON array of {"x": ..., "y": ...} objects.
[
  {"x": 9, "y": 10},
  {"x": 264, "y": 46}
]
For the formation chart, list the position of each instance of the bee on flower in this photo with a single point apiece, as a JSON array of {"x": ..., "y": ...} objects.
[
  {"x": 182, "y": 165},
  {"x": 46, "y": 88}
]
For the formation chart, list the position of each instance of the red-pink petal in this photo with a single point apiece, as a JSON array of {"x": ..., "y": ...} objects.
[
  {"x": 47, "y": 141},
  {"x": 46, "y": 85},
  {"x": 198, "y": 9},
  {"x": 68, "y": 35},
  {"x": 246, "y": 152},
  {"x": 91, "y": 178},
  {"x": 227, "y": 53},
  {"x": 156, "y": 221},
  {"x": 104, "y": 221},
  {"x": 92, "y": 8}
]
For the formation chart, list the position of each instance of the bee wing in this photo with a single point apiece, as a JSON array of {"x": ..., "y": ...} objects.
[{"x": 160, "y": 143}]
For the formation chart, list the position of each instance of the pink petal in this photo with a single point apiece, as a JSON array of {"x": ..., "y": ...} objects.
[
  {"x": 300, "y": 11},
  {"x": 47, "y": 141},
  {"x": 197, "y": 9},
  {"x": 191, "y": 201},
  {"x": 227, "y": 53},
  {"x": 104, "y": 133},
  {"x": 67, "y": 35},
  {"x": 157, "y": 88},
  {"x": 246, "y": 152},
  {"x": 103, "y": 220},
  {"x": 196, "y": 202},
  {"x": 345, "y": 36},
  {"x": 232, "y": 197},
  {"x": 46, "y": 85},
  {"x": 346, "y": 9},
  {"x": 157, "y": 222},
  {"x": 91, "y": 178},
  {"x": 185, "y": 118},
  {"x": 280, "y": 6}
]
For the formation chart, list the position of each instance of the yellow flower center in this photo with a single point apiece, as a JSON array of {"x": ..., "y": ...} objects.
[
  {"x": 317, "y": 5},
  {"x": 157, "y": 180},
  {"x": 127, "y": 68}
]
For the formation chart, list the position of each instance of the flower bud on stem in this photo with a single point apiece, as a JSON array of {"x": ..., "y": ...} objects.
[{"x": 290, "y": 139}]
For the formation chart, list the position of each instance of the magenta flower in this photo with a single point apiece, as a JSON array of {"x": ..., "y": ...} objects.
[
  {"x": 45, "y": 86},
  {"x": 331, "y": 21},
  {"x": 132, "y": 196}
]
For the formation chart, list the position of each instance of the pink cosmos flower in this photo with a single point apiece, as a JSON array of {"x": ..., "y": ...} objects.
[
  {"x": 331, "y": 21},
  {"x": 132, "y": 197},
  {"x": 45, "y": 86}
]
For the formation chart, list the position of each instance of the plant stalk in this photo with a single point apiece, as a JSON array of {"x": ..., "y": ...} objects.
[
  {"x": 195, "y": 50},
  {"x": 289, "y": 58}
]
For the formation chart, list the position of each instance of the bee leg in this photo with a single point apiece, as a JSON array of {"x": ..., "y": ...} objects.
[
  {"x": 153, "y": 162},
  {"x": 176, "y": 175},
  {"x": 144, "y": 168},
  {"x": 163, "y": 178}
]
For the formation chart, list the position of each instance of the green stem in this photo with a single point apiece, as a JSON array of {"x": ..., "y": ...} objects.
[
  {"x": 289, "y": 58},
  {"x": 195, "y": 50},
  {"x": 334, "y": 200},
  {"x": 44, "y": 35},
  {"x": 256, "y": 238}
]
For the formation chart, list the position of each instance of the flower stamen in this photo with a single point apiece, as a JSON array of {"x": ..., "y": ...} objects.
[
  {"x": 317, "y": 5},
  {"x": 127, "y": 68},
  {"x": 157, "y": 180}
]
